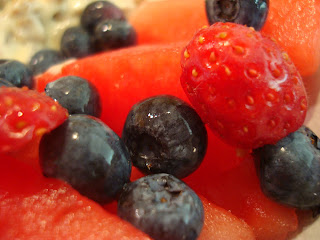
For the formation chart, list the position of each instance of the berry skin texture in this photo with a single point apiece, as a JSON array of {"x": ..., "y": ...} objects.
[
  {"x": 243, "y": 85},
  {"x": 44, "y": 59},
  {"x": 16, "y": 73},
  {"x": 245, "y": 12},
  {"x": 26, "y": 115},
  {"x": 290, "y": 169},
  {"x": 76, "y": 43},
  {"x": 75, "y": 94},
  {"x": 112, "y": 34},
  {"x": 5, "y": 83},
  {"x": 99, "y": 11},
  {"x": 88, "y": 155},
  {"x": 165, "y": 135},
  {"x": 163, "y": 207}
]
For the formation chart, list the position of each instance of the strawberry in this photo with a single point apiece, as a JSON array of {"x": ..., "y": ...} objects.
[
  {"x": 25, "y": 115},
  {"x": 243, "y": 85}
]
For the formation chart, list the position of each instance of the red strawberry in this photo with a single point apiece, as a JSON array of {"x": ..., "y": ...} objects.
[
  {"x": 24, "y": 116},
  {"x": 243, "y": 85}
]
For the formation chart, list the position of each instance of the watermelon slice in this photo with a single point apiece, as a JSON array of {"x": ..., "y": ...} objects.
[
  {"x": 33, "y": 207},
  {"x": 50, "y": 209},
  {"x": 294, "y": 24},
  {"x": 126, "y": 76}
]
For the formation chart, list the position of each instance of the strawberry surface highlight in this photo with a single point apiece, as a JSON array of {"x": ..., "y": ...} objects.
[
  {"x": 25, "y": 115},
  {"x": 130, "y": 75},
  {"x": 243, "y": 85}
]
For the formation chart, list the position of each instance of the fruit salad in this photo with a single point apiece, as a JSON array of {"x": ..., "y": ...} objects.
[{"x": 181, "y": 119}]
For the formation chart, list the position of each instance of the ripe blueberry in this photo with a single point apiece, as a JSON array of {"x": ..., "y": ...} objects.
[
  {"x": 162, "y": 206},
  {"x": 98, "y": 11},
  {"x": 111, "y": 34},
  {"x": 88, "y": 155},
  {"x": 76, "y": 43},
  {"x": 165, "y": 135},
  {"x": 44, "y": 59},
  {"x": 75, "y": 94},
  {"x": 290, "y": 169},
  {"x": 16, "y": 73},
  {"x": 246, "y": 12}
]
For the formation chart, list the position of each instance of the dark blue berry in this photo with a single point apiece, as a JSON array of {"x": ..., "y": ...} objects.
[
  {"x": 99, "y": 11},
  {"x": 16, "y": 73},
  {"x": 252, "y": 13},
  {"x": 165, "y": 135},
  {"x": 44, "y": 59},
  {"x": 290, "y": 169},
  {"x": 75, "y": 94},
  {"x": 163, "y": 207},
  {"x": 111, "y": 34},
  {"x": 76, "y": 43},
  {"x": 88, "y": 155},
  {"x": 5, "y": 83}
]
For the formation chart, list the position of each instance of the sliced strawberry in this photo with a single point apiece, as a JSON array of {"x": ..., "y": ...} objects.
[
  {"x": 25, "y": 115},
  {"x": 243, "y": 85}
]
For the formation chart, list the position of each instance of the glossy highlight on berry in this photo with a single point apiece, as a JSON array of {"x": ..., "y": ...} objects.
[
  {"x": 290, "y": 169},
  {"x": 88, "y": 155},
  {"x": 165, "y": 135},
  {"x": 246, "y": 12},
  {"x": 162, "y": 206}
]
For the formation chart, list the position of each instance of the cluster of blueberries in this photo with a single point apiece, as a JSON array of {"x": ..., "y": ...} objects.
[
  {"x": 103, "y": 27},
  {"x": 163, "y": 137}
]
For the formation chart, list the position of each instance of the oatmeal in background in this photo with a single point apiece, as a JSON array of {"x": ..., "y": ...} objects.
[{"x": 35, "y": 24}]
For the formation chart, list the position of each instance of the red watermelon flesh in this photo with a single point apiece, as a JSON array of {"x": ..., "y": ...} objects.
[
  {"x": 124, "y": 77},
  {"x": 294, "y": 24},
  {"x": 238, "y": 190},
  {"x": 220, "y": 224},
  {"x": 33, "y": 207},
  {"x": 168, "y": 20},
  {"x": 50, "y": 209}
]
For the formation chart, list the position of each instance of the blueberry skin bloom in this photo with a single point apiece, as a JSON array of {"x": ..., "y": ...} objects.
[
  {"x": 165, "y": 135},
  {"x": 162, "y": 206},
  {"x": 44, "y": 59},
  {"x": 75, "y": 94},
  {"x": 252, "y": 13},
  {"x": 112, "y": 34},
  {"x": 76, "y": 43},
  {"x": 99, "y": 11},
  {"x": 88, "y": 155},
  {"x": 16, "y": 73},
  {"x": 5, "y": 83},
  {"x": 290, "y": 169}
]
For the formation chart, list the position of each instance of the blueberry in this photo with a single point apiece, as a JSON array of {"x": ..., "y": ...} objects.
[
  {"x": 75, "y": 94},
  {"x": 290, "y": 169},
  {"x": 163, "y": 207},
  {"x": 165, "y": 135},
  {"x": 5, "y": 83},
  {"x": 16, "y": 73},
  {"x": 44, "y": 59},
  {"x": 76, "y": 43},
  {"x": 252, "y": 13},
  {"x": 88, "y": 155},
  {"x": 98, "y": 11},
  {"x": 111, "y": 34}
]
